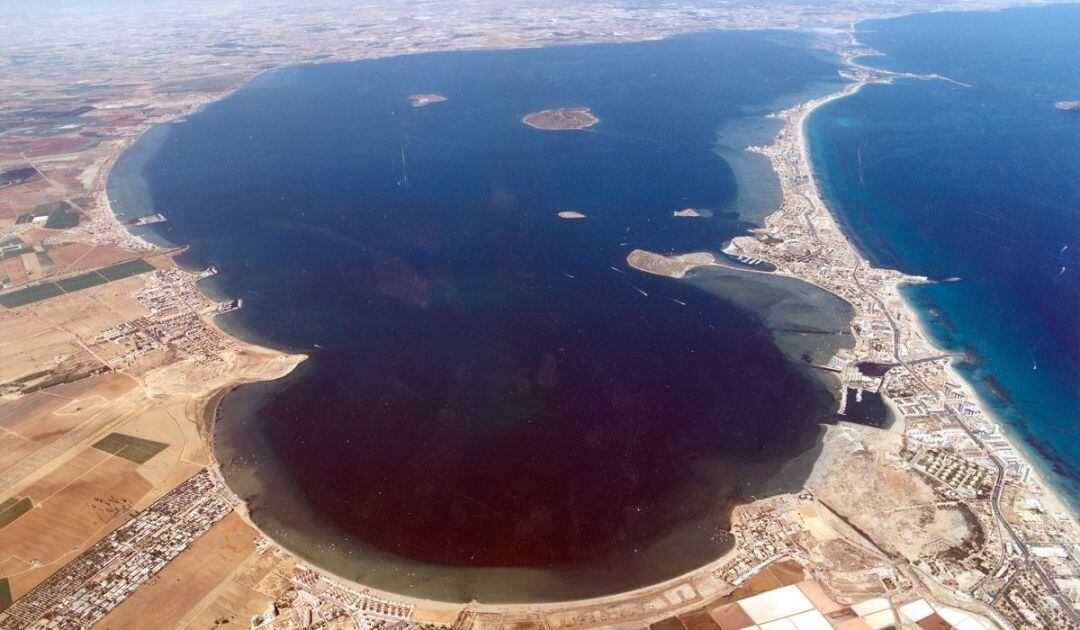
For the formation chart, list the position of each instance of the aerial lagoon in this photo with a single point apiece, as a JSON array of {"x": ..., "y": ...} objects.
[{"x": 496, "y": 406}]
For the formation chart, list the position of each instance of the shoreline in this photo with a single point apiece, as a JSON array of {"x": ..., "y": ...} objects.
[
  {"x": 916, "y": 321},
  {"x": 206, "y": 413},
  {"x": 207, "y": 418},
  {"x": 1051, "y": 494},
  {"x": 211, "y": 402},
  {"x": 682, "y": 263},
  {"x": 890, "y": 305}
]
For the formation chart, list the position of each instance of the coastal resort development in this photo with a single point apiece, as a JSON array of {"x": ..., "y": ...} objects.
[{"x": 561, "y": 119}]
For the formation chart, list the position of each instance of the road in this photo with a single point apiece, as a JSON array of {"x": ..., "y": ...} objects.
[
  {"x": 999, "y": 483},
  {"x": 815, "y": 204}
]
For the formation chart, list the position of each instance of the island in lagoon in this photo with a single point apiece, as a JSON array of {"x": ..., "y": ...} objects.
[
  {"x": 561, "y": 119},
  {"x": 692, "y": 213},
  {"x": 423, "y": 100}
]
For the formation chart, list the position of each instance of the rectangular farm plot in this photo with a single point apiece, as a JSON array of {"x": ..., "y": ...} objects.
[
  {"x": 119, "y": 271},
  {"x": 12, "y": 509},
  {"x": 78, "y": 283},
  {"x": 127, "y": 269},
  {"x": 5, "y": 594},
  {"x": 129, "y": 447},
  {"x": 23, "y": 297}
]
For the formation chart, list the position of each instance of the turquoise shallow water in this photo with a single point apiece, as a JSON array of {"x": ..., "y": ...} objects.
[{"x": 979, "y": 183}]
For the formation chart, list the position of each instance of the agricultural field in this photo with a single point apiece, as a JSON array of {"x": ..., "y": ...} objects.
[
  {"x": 130, "y": 448},
  {"x": 12, "y": 509}
]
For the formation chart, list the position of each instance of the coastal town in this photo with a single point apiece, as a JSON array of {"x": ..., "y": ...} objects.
[
  {"x": 947, "y": 436},
  {"x": 110, "y": 500},
  {"x": 94, "y": 583},
  {"x": 176, "y": 320}
]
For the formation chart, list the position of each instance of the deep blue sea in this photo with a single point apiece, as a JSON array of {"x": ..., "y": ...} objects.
[
  {"x": 980, "y": 183},
  {"x": 496, "y": 405}
]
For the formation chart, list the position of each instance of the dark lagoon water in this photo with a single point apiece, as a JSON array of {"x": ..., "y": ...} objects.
[
  {"x": 980, "y": 183},
  {"x": 496, "y": 406}
]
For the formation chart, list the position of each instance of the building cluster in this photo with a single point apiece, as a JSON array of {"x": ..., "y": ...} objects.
[
  {"x": 102, "y": 228},
  {"x": 781, "y": 529},
  {"x": 98, "y": 580},
  {"x": 176, "y": 320},
  {"x": 1033, "y": 567},
  {"x": 968, "y": 478},
  {"x": 763, "y": 532},
  {"x": 1024, "y": 603},
  {"x": 317, "y": 600}
]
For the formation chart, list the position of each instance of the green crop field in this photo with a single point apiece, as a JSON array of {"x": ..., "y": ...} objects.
[
  {"x": 78, "y": 283},
  {"x": 129, "y": 447},
  {"x": 12, "y": 509},
  {"x": 125, "y": 269},
  {"x": 30, "y": 295},
  {"x": 62, "y": 220},
  {"x": 48, "y": 290},
  {"x": 5, "y": 594}
]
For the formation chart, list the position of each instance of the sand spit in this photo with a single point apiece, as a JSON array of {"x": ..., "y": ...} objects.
[{"x": 671, "y": 266}]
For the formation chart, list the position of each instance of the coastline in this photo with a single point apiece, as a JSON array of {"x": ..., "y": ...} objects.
[
  {"x": 206, "y": 414},
  {"x": 698, "y": 558},
  {"x": 1051, "y": 493},
  {"x": 804, "y": 239},
  {"x": 211, "y": 401},
  {"x": 119, "y": 112},
  {"x": 914, "y": 319},
  {"x": 208, "y": 417},
  {"x": 203, "y": 415},
  {"x": 819, "y": 217}
]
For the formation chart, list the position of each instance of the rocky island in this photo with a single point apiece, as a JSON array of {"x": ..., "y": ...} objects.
[
  {"x": 691, "y": 213},
  {"x": 571, "y": 214},
  {"x": 421, "y": 100},
  {"x": 561, "y": 119}
]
